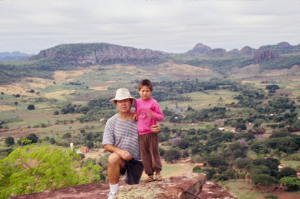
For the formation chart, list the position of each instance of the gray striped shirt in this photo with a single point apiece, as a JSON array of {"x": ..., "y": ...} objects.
[{"x": 122, "y": 134}]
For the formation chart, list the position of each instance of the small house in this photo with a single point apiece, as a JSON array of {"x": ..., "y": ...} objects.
[{"x": 84, "y": 149}]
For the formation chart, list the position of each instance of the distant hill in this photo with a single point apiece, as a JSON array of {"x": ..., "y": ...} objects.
[
  {"x": 13, "y": 56},
  {"x": 97, "y": 53},
  {"x": 269, "y": 57},
  {"x": 69, "y": 56}
]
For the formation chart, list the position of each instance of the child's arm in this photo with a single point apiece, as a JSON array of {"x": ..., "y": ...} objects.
[
  {"x": 134, "y": 114},
  {"x": 156, "y": 113}
]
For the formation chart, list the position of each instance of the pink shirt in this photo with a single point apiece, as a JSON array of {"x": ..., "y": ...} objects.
[{"x": 144, "y": 121}]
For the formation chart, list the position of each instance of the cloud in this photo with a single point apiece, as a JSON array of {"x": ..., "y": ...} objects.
[{"x": 172, "y": 26}]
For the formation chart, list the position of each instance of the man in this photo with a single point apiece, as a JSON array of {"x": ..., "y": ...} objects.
[{"x": 121, "y": 139}]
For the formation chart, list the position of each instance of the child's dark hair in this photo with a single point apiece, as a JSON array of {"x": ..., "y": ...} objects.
[{"x": 146, "y": 82}]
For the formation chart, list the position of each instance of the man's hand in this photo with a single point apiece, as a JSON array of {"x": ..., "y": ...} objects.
[
  {"x": 125, "y": 155},
  {"x": 155, "y": 128}
]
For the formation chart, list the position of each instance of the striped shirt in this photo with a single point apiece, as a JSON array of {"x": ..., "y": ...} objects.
[{"x": 122, "y": 134}]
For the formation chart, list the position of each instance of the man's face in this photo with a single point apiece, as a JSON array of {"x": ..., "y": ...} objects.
[{"x": 123, "y": 106}]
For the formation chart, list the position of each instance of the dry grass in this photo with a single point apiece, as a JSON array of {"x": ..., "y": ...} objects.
[
  {"x": 59, "y": 94},
  {"x": 7, "y": 108}
]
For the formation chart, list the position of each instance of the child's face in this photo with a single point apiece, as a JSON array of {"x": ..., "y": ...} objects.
[{"x": 145, "y": 93}]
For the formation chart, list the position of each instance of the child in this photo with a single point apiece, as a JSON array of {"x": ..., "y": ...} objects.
[{"x": 147, "y": 112}]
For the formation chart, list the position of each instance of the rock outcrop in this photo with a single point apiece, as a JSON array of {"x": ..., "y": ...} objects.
[
  {"x": 217, "y": 52},
  {"x": 247, "y": 50},
  {"x": 265, "y": 54},
  {"x": 96, "y": 53},
  {"x": 198, "y": 49},
  {"x": 186, "y": 186}
]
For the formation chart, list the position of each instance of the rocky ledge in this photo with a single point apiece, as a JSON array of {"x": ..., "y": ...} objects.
[{"x": 186, "y": 186}]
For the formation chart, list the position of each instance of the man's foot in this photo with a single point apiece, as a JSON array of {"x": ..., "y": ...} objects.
[
  {"x": 111, "y": 195},
  {"x": 149, "y": 179}
]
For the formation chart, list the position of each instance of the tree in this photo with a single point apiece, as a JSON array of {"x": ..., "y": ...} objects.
[
  {"x": 52, "y": 141},
  {"x": 67, "y": 135},
  {"x": 16, "y": 103},
  {"x": 54, "y": 168},
  {"x": 197, "y": 169},
  {"x": 89, "y": 144},
  {"x": 56, "y": 113},
  {"x": 9, "y": 141},
  {"x": 161, "y": 151},
  {"x": 287, "y": 171},
  {"x": 31, "y": 107},
  {"x": 264, "y": 180},
  {"x": 32, "y": 137},
  {"x": 183, "y": 144},
  {"x": 172, "y": 155},
  {"x": 291, "y": 182}
]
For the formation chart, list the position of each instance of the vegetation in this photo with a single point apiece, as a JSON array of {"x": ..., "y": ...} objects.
[{"x": 52, "y": 169}]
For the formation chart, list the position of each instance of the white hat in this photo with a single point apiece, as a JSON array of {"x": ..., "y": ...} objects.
[{"x": 122, "y": 93}]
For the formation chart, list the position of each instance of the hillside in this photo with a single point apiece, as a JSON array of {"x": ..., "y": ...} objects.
[{"x": 70, "y": 56}]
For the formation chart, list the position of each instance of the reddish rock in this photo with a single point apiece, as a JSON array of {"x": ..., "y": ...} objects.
[
  {"x": 265, "y": 54},
  {"x": 212, "y": 190},
  {"x": 186, "y": 186}
]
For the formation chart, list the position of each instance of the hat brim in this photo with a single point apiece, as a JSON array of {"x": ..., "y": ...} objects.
[{"x": 113, "y": 100}]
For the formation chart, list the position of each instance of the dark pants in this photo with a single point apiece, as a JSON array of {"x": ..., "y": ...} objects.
[
  {"x": 150, "y": 153},
  {"x": 134, "y": 169}
]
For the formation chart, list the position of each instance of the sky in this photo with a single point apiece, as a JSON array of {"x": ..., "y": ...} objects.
[{"x": 166, "y": 25}]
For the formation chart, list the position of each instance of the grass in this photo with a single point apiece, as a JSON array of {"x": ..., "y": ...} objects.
[
  {"x": 241, "y": 189},
  {"x": 292, "y": 164}
]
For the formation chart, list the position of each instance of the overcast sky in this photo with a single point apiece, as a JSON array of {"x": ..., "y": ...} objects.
[{"x": 166, "y": 25}]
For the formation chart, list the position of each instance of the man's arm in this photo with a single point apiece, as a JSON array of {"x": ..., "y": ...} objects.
[{"x": 124, "y": 154}]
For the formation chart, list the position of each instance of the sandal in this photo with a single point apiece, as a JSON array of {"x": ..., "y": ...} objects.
[
  {"x": 149, "y": 179},
  {"x": 158, "y": 178}
]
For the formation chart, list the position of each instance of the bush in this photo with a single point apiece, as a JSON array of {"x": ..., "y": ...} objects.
[
  {"x": 197, "y": 169},
  {"x": 172, "y": 155},
  {"x": 198, "y": 159},
  {"x": 9, "y": 141},
  {"x": 30, "y": 107},
  {"x": 242, "y": 162},
  {"x": 222, "y": 178},
  {"x": 103, "y": 162},
  {"x": 272, "y": 196},
  {"x": 183, "y": 144},
  {"x": 32, "y": 137},
  {"x": 161, "y": 151},
  {"x": 67, "y": 135},
  {"x": 89, "y": 161}
]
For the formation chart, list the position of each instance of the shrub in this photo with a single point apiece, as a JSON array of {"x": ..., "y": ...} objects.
[
  {"x": 242, "y": 162},
  {"x": 197, "y": 169},
  {"x": 161, "y": 151},
  {"x": 222, "y": 177},
  {"x": 89, "y": 161},
  {"x": 172, "y": 155},
  {"x": 30, "y": 107},
  {"x": 272, "y": 196},
  {"x": 9, "y": 141},
  {"x": 198, "y": 159}
]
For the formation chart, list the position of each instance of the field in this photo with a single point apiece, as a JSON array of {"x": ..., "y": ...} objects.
[{"x": 85, "y": 84}]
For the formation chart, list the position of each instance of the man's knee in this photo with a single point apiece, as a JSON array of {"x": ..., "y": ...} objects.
[{"x": 115, "y": 159}]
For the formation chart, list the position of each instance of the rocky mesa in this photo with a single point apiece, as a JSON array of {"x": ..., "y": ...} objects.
[{"x": 96, "y": 53}]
